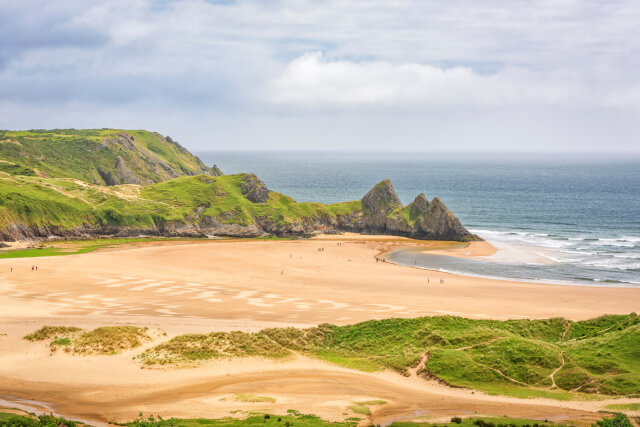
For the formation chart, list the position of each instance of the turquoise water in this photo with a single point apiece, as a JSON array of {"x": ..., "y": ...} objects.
[{"x": 578, "y": 218}]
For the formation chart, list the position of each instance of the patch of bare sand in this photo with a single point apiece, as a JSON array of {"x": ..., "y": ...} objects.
[
  {"x": 468, "y": 250},
  {"x": 249, "y": 285}
]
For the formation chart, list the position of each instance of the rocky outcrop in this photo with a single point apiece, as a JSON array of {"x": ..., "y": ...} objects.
[
  {"x": 122, "y": 174},
  {"x": 384, "y": 213},
  {"x": 378, "y": 204},
  {"x": 137, "y": 166},
  {"x": 254, "y": 189}
]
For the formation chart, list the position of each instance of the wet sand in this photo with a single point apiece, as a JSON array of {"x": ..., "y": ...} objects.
[{"x": 184, "y": 287}]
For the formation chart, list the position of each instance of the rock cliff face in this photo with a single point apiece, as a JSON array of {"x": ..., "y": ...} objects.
[
  {"x": 384, "y": 213},
  {"x": 134, "y": 165},
  {"x": 98, "y": 156},
  {"x": 254, "y": 189}
]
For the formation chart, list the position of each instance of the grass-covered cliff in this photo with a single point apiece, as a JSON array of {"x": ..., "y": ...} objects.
[
  {"x": 88, "y": 183},
  {"x": 198, "y": 205},
  {"x": 97, "y": 156}
]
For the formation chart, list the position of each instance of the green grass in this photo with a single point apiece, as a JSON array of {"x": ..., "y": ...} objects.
[
  {"x": 515, "y": 357},
  {"x": 482, "y": 422},
  {"x": 360, "y": 409},
  {"x": 373, "y": 402},
  {"x": 13, "y": 420},
  {"x": 263, "y": 420},
  {"x": 624, "y": 406},
  {"x": 65, "y": 205},
  {"x": 252, "y": 398},
  {"x": 618, "y": 420},
  {"x": 63, "y": 342},
  {"x": 193, "y": 348},
  {"x": 75, "y": 247},
  {"x": 54, "y": 180}
]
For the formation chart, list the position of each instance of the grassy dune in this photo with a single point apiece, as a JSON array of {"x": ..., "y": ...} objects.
[
  {"x": 516, "y": 357},
  {"x": 105, "y": 340},
  {"x": 197, "y": 347}
]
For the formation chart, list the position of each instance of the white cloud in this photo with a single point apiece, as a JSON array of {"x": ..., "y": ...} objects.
[
  {"x": 550, "y": 69},
  {"x": 312, "y": 81},
  {"x": 629, "y": 98}
]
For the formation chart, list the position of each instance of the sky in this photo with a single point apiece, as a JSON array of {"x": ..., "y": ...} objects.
[{"x": 403, "y": 75}]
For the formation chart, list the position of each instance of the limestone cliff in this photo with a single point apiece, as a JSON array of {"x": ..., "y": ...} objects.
[{"x": 384, "y": 213}]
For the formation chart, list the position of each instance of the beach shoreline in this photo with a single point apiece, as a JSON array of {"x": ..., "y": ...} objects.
[{"x": 248, "y": 285}]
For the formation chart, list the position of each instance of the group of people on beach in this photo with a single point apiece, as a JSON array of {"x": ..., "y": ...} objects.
[
  {"x": 33, "y": 268},
  {"x": 414, "y": 261}
]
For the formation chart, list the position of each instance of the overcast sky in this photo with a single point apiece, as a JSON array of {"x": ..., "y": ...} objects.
[{"x": 515, "y": 75}]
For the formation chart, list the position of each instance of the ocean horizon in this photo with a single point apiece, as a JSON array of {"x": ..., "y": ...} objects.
[{"x": 561, "y": 218}]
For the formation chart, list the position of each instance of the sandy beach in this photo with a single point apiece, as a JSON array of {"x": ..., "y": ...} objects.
[{"x": 183, "y": 287}]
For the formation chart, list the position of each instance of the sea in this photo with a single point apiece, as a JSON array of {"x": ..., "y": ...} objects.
[{"x": 560, "y": 218}]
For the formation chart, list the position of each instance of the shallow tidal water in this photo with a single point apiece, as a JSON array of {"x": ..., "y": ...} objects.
[{"x": 578, "y": 217}]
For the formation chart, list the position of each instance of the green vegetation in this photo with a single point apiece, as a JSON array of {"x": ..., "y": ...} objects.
[
  {"x": 105, "y": 340},
  {"x": 54, "y": 181},
  {"x": 619, "y": 420},
  {"x": 360, "y": 409},
  {"x": 263, "y": 420},
  {"x": 12, "y": 420},
  {"x": 517, "y": 357},
  {"x": 98, "y": 156},
  {"x": 252, "y": 398},
  {"x": 372, "y": 402},
  {"x": 110, "y": 340},
  {"x": 624, "y": 406},
  {"x": 47, "y": 332},
  {"x": 199, "y": 347},
  {"x": 73, "y": 247},
  {"x": 482, "y": 422},
  {"x": 68, "y": 182},
  {"x": 67, "y": 205}
]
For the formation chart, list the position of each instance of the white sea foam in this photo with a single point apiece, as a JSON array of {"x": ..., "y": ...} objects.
[{"x": 610, "y": 253}]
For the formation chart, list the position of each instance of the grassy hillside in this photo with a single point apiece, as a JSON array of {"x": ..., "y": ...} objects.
[
  {"x": 68, "y": 204},
  {"x": 54, "y": 183},
  {"x": 97, "y": 156},
  {"x": 553, "y": 357}
]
